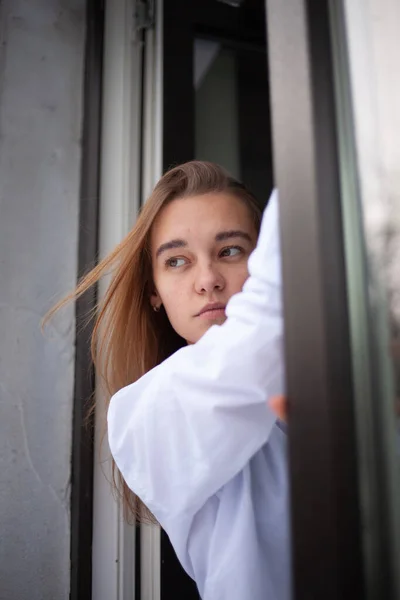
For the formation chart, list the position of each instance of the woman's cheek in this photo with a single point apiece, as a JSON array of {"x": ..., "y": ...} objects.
[
  {"x": 173, "y": 302},
  {"x": 239, "y": 280}
]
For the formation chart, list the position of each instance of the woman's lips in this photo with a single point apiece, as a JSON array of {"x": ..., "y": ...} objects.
[{"x": 213, "y": 313}]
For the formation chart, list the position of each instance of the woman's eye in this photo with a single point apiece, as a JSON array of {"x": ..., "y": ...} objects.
[
  {"x": 175, "y": 262},
  {"x": 231, "y": 251}
]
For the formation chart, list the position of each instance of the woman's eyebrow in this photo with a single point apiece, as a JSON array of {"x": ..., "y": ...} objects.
[
  {"x": 232, "y": 233},
  {"x": 220, "y": 237},
  {"x": 170, "y": 245}
]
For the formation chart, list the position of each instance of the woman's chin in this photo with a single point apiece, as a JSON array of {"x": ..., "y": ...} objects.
[
  {"x": 194, "y": 337},
  {"x": 210, "y": 322}
]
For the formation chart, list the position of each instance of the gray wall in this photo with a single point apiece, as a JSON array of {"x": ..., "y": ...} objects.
[{"x": 41, "y": 75}]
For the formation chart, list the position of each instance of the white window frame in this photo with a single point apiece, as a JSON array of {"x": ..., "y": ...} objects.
[{"x": 126, "y": 159}]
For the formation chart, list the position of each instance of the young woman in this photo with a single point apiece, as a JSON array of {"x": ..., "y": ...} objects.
[{"x": 192, "y": 361}]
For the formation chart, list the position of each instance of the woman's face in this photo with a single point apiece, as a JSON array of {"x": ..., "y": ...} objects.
[{"x": 200, "y": 247}]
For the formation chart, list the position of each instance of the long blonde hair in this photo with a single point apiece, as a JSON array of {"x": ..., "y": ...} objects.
[{"x": 128, "y": 337}]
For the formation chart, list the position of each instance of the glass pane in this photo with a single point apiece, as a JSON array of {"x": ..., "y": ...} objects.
[
  {"x": 232, "y": 112},
  {"x": 217, "y": 123},
  {"x": 368, "y": 100}
]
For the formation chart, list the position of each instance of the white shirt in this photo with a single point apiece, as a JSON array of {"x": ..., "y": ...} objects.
[{"x": 195, "y": 439}]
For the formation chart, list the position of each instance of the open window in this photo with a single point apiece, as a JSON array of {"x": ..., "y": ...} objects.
[{"x": 202, "y": 79}]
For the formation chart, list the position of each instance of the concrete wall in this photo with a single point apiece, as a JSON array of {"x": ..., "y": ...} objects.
[{"x": 41, "y": 75}]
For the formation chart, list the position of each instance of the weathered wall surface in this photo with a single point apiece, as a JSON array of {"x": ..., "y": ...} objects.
[{"x": 41, "y": 75}]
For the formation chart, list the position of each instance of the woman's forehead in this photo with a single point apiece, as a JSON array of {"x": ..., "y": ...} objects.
[{"x": 203, "y": 214}]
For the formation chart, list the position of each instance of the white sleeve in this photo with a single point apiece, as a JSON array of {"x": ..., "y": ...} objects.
[{"x": 191, "y": 424}]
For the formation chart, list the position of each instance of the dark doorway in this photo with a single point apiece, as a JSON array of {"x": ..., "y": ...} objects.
[{"x": 216, "y": 107}]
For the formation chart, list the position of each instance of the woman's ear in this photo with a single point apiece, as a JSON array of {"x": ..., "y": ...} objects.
[{"x": 155, "y": 300}]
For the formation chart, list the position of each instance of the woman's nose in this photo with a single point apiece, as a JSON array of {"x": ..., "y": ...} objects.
[{"x": 208, "y": 278}]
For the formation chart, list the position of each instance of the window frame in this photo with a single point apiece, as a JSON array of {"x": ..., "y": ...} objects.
[
  {"x": 82, "y": 455},
  {"x": 325, "y": 516}
]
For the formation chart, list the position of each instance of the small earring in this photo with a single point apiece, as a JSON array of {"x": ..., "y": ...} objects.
[{"x": 156, "y": 308}]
